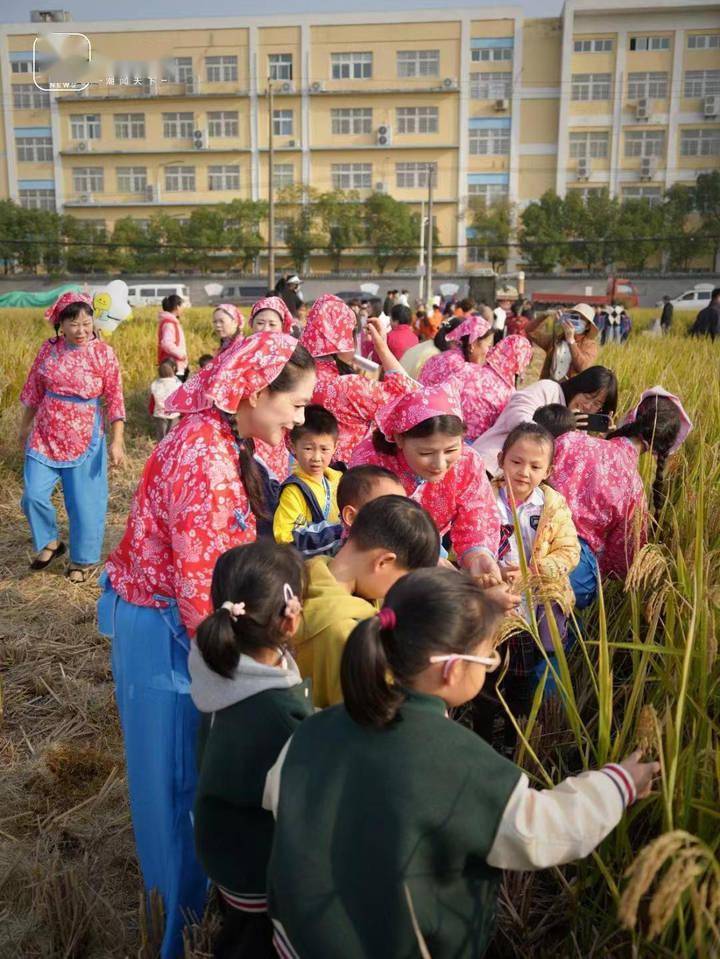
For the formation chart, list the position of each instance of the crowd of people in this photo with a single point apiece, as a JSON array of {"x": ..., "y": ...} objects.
[{"x": 312, "y": 576}]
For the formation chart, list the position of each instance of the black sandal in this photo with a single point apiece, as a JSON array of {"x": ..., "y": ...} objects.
[
  {"x": 81, "y": 572},
  {"x": 38, "y": 564}
]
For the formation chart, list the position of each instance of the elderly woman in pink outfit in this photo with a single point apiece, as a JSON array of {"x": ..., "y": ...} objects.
[
  {"x": 470, "y": 343},
  {"x": 227, "y": 322}
]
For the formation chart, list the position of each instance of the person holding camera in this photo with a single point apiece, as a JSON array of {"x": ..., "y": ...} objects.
[{"x": 571, "y": 346}]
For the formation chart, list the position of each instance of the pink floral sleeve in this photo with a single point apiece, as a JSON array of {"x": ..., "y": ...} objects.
[
  {"x": 34, "y": 388},
  {"x": 476, "y": 524},
  {"x": 112, "y": 388},
  {"x": 625, "y": 538}
]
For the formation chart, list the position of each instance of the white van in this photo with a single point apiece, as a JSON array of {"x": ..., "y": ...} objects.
[
  {"x": 152, "y": 294},
  {"x": 696, "y": 299}
]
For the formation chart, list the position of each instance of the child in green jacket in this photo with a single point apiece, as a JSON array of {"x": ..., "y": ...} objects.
[
  {"x": 393, "y": 821},
  {"x": 251, "y": 696}
]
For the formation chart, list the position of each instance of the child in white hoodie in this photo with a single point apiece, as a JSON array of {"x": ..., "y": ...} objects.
[{"x": 251, "y": 696}]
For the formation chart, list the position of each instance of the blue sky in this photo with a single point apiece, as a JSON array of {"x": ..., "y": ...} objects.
[{"x": 18, "y": 11}]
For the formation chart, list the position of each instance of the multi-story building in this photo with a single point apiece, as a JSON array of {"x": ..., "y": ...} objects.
[{"x": 611, "y": 94}]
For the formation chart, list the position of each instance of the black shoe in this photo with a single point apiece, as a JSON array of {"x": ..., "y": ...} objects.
[{"x": 43, "y": 563}]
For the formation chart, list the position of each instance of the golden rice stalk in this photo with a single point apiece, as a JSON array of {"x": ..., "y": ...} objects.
[
  {"x": 648, "y": 569},
  {"x": 682, "y": 874},
  {"x": 648, "y": 732},
  {"x": 656, "y": 601},
  {"x": 643, "y": 870}
]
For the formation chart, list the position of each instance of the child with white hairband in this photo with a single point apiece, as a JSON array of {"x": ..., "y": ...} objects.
[{"x": 251, "y": 696}]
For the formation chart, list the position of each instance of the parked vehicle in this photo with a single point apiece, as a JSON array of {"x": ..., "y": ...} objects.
[
  {"x": 240, "y": 293},
  {"x": 619, "y": 290},
  {"x": 693, "y": 300},
  {"x": 152, "y": 294}
]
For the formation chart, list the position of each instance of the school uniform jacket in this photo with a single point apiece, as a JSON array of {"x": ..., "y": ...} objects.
[{"x": 377, "y": 825}]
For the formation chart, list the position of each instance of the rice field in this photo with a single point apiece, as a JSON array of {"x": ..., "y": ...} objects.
[{"x": 646, "y": 671}]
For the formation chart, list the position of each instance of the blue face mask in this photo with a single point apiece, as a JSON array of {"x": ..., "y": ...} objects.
[{"x": 578, "y": 323}]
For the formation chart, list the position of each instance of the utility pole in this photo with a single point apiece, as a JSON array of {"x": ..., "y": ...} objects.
[
  {"x": 429, "y": 267},
  {"x": 421, "y": 260},
  {"x": 271, "y": 198}
]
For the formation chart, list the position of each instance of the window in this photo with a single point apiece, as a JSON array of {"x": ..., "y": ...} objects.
[
  {"x": 180, "y": 70},
  {"x": 489, "y": 192},
  {"x": 590, "y": 86},
  {"x": 26, "y": 96},
  {"x": 414, "y": 175},
  {"x": 222, "y": 123},
  {"x": 490, "y": 141},
  {"x": 92, "y": 226},
  {"x": 85, "y": 127},
  {"x": 487, "y": 54},
  {"x": 282, "y": 227},
  {"x": 702, "y": 83},
  {"x": 224, "y": 177},
  {"x": 418, "y": 63},
  {"x": 594, "y": 143},
  {"x": 417, "y": 119},
  {"x": 283, "y": 175},
  {"x": 700, "y": 143},
  {"x": 647, "y": 85},
  {"x": 221, "y": 69},
  {"x": 33, "y": 149},
  {"x": 490, "y": 86},
  {"x": 280, "y": 66},
  {"x": 351, "y": 66},
  {"x": 34, "y": 199},
  {"x": 21, "y": 66},
  {"x": 644, "y": 143},
  {"x": 704, "y": 41},
  {"x": 88, "y": 179},
  {"x": 351, "y": 176},
  {"x": 180, "y": 179},
  {"x": 598, "y": 45},
  {"x": 177, "y": 126},
  {"x": 130, "y": 126},
  {"x": 282, "y": 123},
  {"x": 649, "y": 43},
  {"x": 131, "y": 179},
  {"x": 587, "y": 191},
  {"x": 351, "y": 120},
  {"x": 653, "y": 194}
]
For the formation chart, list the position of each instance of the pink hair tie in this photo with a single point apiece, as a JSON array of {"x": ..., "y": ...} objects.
[
  {"x": 235, "y": 609},
  {"x": 387, "y": 617}
]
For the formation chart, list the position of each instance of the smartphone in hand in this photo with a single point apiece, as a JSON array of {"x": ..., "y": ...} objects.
[{"x": 594, "y": 422}]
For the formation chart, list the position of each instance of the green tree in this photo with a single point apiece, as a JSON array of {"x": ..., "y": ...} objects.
[
  {"x": 684, "y": 236},
  {"x": 340, "y": 214},
  {"x": 298, "y": 206},
  {"x": 588, "y": 224},
  {"x": 492, "y": 228},
  {"x": 391, "y": 230},
  {"x": 83, "y": 250},
  {"x": 132, "y": 246},
  {"x": 242, "y": 229},
  {"x": 205, "y": 236},
  {"x": 707, "y": 203},
  {"x": 10, "y": 232},
  {"x": 542, "y": 232},
  {"x": 639, "y": 224}
]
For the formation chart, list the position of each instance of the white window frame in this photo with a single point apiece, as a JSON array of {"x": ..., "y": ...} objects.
[
  {"x": 593, "y": 45},
  {"x": 223, "y": 123},
  {"x": 34, "y": 149},
  {"x": 703, "y": 41},
  {"x": 180, "y": 178},
  {"x": 417, "y": 119},
  {"x": 642, "y": 44},
  {"x": 490, "y": 86},
  {"x": 85, "y": 126},
  {"x": 489, "y": 141},
  {"x": 594, "y": 144},
  {"x": 182, "y": 70},
  {"x": 135, "y": 178},
  {"x": 88, "y": 179},
  {"x": 490, "y": 54},
  {"x": 21, "y": 66},
  {"x": 37, "y": 198},
  {"x": 413, "y": 175},
  {"x": 26, "y": 96},
  {"x": 700, "y": 142},
  {"x": 283, "y": 175},
  {"x": 346, "y": 121},
  {"x": 651, "y": 85},
  {"x": 701, "y": 83},
  {"x": 96, "y": 227},
  {"x": 587, "y": 191},
  {"x": 224, "y": 176},
  {"x": 280, "y": 66},
  {"x": 178, "y": 125},
  {"x": 351, "y": 65},
  {"x": 281, "y": 231},
  {"x": 411, "y": 64},
  {"x": 129, "y": 126},
  {"x": 489, "y": 192},
  {"x": 653, "y": 194},
  {"x": 644, "y": 143},
  {"x": 351, "y": 176},
  {"x": 221, "y": 68},
  {"x": 591, "y": 86},
  {"x": 283, "y": 123}
]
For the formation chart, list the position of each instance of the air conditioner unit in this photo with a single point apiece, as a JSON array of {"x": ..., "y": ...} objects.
[
  {"x": 501, "y": 105},
  {"x": 84, "y": 146},
  {"x": 647, "y": 168},
  {"x": 86, "y": 198},
  {"x": 711, "y": 106},
  {"x": 642, "y": 109},
  {"x": 192, "y": 85},
  {"x": 292, "y": 143},
  {"x": 450, "y": 83},
  {"x": 583, "y": 168},
  {"x": 150, "y": 193},
  {"x": 379, "y": 187},
  {"x": 383, "y": 135},
  {"x": 317, "y": 86},
  {"x": 287, "y": 87},
  {"x": 200, "y": 140}
]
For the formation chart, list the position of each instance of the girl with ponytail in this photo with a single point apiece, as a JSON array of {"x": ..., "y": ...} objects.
[
  {"x": 251, "y": 697},
  {"x": 201, "y": 493},
  {"x": 386, "y": 807}
]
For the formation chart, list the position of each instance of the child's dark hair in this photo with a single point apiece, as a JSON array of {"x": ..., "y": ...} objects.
[
  {"x": 255, "y": 575},
  {"x": 172, "y": 302},
  {"x": 205, "y": 359},
  {"x": 437, "y": 611},
  {"x": 467, "y": 304},
  {"x": 358, "y": 483},
  {"x": 401, "y": 314},
  {"x": 529, "y": 431},
  {"x": 556, "y": 418},
  {"x": 657, "y": 423},
  {"x": 318, "y": 422},
  {"x": 167, "y": 369},
  {"x": 71, "y": 312},
  {"x": 299, "y": 364},
  {"x": 450, "y": 425},
  {"x": 592, "y": 380},
  {"x": 440, "y": 340},
  {"x": 400, "y": 525}
]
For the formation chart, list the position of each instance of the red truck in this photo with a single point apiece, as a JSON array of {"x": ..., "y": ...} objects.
[{"x": 619, "y": 290}]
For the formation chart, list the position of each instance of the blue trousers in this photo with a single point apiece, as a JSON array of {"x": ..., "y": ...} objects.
[
  {"x": 85, "y": 491},
  {"x": 584, "y": 578},
  {"x": 159, "y": 723}
]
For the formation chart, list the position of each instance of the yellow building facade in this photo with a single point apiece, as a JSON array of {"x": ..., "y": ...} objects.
[{"x": 176, "y": 113}]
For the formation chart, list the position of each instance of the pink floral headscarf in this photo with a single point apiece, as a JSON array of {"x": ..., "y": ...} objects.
[
  {"x": 244, "y": 367},
  {"x": 279, "y": 306},
  {"x": 53, "y": 314},
  {"x": 510, "y": 357},
  {"x": 330, "y": 327},
  {"x": 473, "y": 326},
  {"x": 685, "y": 421},
  {"x": 232, "y": 311},
  {"x": 416, "y": 407}
]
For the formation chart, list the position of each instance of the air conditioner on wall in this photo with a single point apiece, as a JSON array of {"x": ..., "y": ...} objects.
[
  {"x": 200, "y": 140},
  {"x": 379, "y": 187},
  {"x": 286, "y": 87},
  {"x": 84, "y": 146},
  {"x": 450, "y": 83},
  {"x": 642, "y": 109},
  {"x": 292, "y": 143},
  {"x": 711, "y": 106},
  {"x": 86, "y": 198},
  {"x": 501, "y": 105},
  {"x": 317, "y": 86},
  {"x": 383, "y": 135},
  {"x": 150, "y": 193},
  {"x": 647, "y": 168},
  {"x": 583, "y": 168}
]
